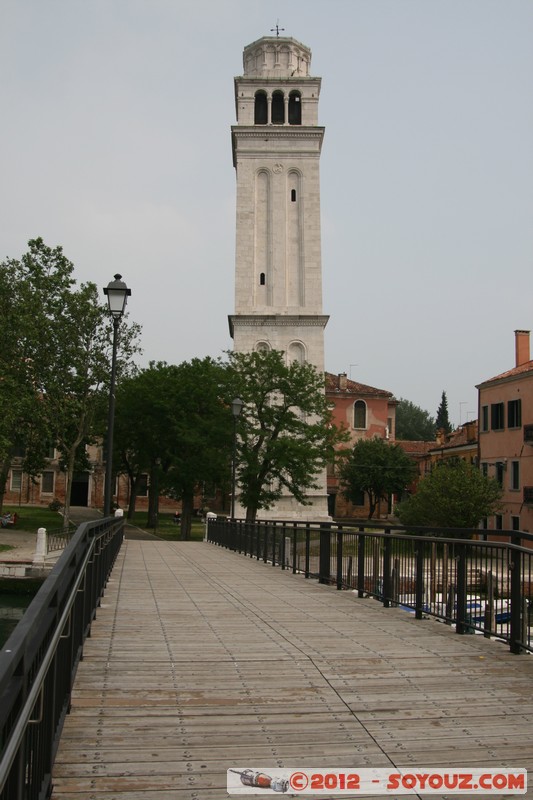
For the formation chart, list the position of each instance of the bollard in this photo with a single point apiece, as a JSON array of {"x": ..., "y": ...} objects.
[
  {"x": 39, "y": 558},
  {"x": 209, "y": 516}
]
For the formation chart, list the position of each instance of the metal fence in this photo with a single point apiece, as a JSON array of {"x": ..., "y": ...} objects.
[
  {"x": 58, "y": 538},
  {"x": 477, "y": 585},
  {"x": 39, "y": 661}
]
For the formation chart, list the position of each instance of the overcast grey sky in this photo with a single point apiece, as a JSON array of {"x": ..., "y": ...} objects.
[{"x": 115, "y": 143}]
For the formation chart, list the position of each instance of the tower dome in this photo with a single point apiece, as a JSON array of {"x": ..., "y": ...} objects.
[{"x": 276, "y": 57}]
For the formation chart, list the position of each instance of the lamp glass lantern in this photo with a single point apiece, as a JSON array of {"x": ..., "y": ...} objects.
[
  {"x": 236, "y": 407},
  {"x": 117, "y": 294}
]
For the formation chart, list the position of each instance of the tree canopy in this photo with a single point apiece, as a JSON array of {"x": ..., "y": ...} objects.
[
  {"x": 454, "y": 495},
  {"x": 172, "y": 423},
  {"x": 375, "y": 468},
  {"x": 285, "y": 434},
  {"x": 54, "y": 360},
  {"x": 413, "y": 423},
  {"x": 442, "y": 421}
]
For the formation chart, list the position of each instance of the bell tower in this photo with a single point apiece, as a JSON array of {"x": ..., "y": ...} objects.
[
  {"x": 278, "y": 270},
  {"x": 276, "y": 151}
]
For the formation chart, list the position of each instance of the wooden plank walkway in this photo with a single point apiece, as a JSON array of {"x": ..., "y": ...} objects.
[{"x": 201, "y": 660}]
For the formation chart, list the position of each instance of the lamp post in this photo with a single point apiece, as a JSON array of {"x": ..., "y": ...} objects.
[
  {"x": 117, "y": 296},
  {"x": 156, "y": 492},
  {"x": 236, "y": 408}
]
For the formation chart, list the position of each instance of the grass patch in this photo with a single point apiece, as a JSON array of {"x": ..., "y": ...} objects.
[
  {"x": 30, "y": 518},
  {"x": 167, "y": 528},
  {"x": 4, "y": 547}
]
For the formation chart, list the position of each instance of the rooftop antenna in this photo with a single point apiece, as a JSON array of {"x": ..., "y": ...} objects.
[{"x": 277, "y": 29}]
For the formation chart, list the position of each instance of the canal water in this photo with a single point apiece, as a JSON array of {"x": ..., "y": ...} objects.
[{"x": 12, "y": 608}]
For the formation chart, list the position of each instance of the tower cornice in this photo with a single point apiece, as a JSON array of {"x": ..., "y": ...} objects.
[
  {"x": 278, "y": 131},
  {"x": 277, "y": 320},
  {"x": 274, "y": 134}
]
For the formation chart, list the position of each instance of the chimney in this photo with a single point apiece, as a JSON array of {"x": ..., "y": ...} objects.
[
  {"x": 521, "y": 347},
  {"x": 471, "y": 431},
  {"x": 343, "y": 381}
]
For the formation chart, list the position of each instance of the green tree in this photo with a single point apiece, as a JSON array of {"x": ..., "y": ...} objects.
[
  {"x": 27, "y": 307},
  {"x": 172, "y": 422},
  {"x": 54, "y": 360},
  {"x": 285, "y": 431},
  {"x": 377, "y": 469},
  {"x": 413, "y": 423},
  {"x": 442, "y": 421},
  {"x": 454, "y": 495},
  {"x": 77, "y": 393}
]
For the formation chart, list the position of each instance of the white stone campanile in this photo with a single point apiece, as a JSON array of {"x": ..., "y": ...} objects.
[
  {"x": 278, "y": 266},
  {"x": 276, "y": 152}
]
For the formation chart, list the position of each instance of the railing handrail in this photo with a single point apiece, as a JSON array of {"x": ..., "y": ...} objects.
[
  {"x": 9, "y": 753},
  {"x": 439, "y": 575},
  {"x": 28, "y": 654},
  {"x": 342, "y": 524}
]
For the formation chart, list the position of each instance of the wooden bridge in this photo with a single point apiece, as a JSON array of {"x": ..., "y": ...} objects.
[{"x": 201, "y": 659}]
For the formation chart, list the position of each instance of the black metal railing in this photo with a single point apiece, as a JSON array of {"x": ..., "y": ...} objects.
[
  {"x": 39, "y": 660},
  {"x": 457, "y": 576},
  {"x": 58, "y": 538}
]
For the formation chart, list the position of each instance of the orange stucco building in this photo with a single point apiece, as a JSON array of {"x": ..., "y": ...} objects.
[
  {"x": 365, "y": 412},
  {"x": 506, "y": 438}
]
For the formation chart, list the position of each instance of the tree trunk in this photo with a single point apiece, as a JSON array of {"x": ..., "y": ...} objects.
[
  {"x": 68, "y": 486},
  {"x": 371, "y": 505},
  {"x": 187, "y": 507},
  {"x": 4, "y": 475},
  {"x": 251, "y": 514},
  {"x": 133, "y": 497},
  {"x": 153, "y": 497}
]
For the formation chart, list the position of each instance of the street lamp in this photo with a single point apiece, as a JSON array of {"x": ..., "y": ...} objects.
[
  {"x": 156, "y": 492},
  {"x": 236, "y": 408},
  {"x": 117, "y": 296}
]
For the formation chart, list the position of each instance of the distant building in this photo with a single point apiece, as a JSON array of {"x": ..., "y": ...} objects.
[
  {"x": 506, "y": 438},
  {"x": 366, "y": 413},
  {"x": 87, "y": 487},
  {"x": 461, "y": 443},
  {"x": 50, "y": 485},
  {"x": 419, "y": 451}
]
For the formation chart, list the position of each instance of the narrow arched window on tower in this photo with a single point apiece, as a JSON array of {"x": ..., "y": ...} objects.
[
  {"x": 296, "y": 353},
  {"x": 261, "y": 108},
  {"x": 295, "y": 108},
  {"x": 278, "y": 108},
  {"x": 262, "y": 279},
  {"x": 293, "y": 195}
]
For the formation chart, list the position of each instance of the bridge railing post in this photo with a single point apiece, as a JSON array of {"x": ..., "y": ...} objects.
[
  {"x": 515, "y": 567},
  {"x": 324, "y": 558},
  {"x": 41, "y": 548}
]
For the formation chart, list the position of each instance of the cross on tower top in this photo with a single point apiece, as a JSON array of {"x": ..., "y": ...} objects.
[{"x": 277, "y": 29}]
